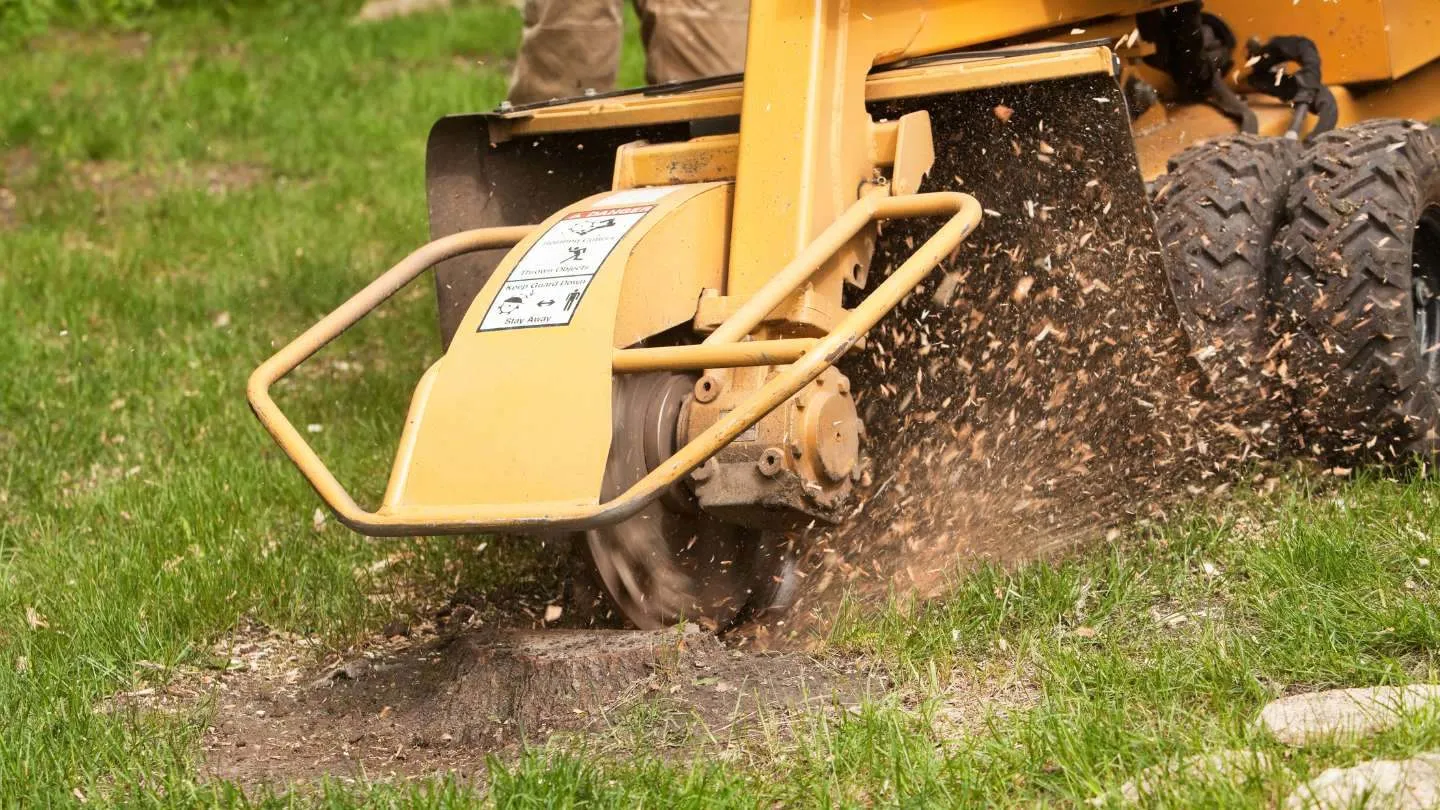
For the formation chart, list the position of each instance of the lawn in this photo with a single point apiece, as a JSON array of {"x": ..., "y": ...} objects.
[{"x": 178, "y": 201}]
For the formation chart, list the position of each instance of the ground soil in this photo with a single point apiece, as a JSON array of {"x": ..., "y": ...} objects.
[
  {"x": 119, "y": 181},
  {"x": 131, "y": 45},
  {"x": 113, "y": 183},
  {"x": 443, "y": 702},
  {"x": 17, "y": 167}
]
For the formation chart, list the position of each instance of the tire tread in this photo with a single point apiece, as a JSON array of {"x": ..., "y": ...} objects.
[
  {"x": 1217, "y": 211},
  {"x": 1343, "y": 291}
]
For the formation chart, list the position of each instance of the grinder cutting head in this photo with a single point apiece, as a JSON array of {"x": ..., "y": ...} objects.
[{"x": 673, "y": 562}]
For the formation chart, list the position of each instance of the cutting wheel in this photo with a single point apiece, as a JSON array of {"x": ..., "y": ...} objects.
[{"x": 671, "y": 562}]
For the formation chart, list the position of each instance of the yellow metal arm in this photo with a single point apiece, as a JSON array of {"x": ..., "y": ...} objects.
[
  {"x": 818, "y": 355},
  {"x": 698, "y": 358},
  {"x": 332, "y": 326}
]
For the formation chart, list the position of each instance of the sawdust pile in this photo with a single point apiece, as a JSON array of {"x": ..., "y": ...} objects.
[{"x": 1039, "y": 391}]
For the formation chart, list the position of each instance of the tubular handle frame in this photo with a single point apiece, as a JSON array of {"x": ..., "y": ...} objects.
[{"x": 726, "y": 347}]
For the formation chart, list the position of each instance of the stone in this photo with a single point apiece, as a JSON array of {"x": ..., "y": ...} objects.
[
  {"x": 1411, "y": 784},
  {"x": 377, "y": 10},
  {"x": 1300, "y": 720},
  {"x": 1234, "y": 766}
]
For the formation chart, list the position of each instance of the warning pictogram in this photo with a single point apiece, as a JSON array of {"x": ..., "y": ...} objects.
[{"x": 547, "y": 286}]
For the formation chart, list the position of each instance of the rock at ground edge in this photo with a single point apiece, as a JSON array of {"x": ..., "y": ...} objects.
[
  {"x": 1412, "y": 784},
  {"x": 1343, "y": 713},
  {"x": 377, "y": 10},
  {"x": 1235, "y": 766}
]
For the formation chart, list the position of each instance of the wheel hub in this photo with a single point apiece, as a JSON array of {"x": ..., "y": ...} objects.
[{"x": 672, "y": 562}]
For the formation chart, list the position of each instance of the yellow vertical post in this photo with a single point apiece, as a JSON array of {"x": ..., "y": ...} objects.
[
  {"x": 804, "y": 132},
  {"x": 803, "y": 135}
]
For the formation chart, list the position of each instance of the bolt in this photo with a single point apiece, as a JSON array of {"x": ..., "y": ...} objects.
[
  {"x": 769, "y": 463},
  {"x": 707, "y": 389}
]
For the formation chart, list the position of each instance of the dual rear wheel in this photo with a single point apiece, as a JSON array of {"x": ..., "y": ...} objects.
[{"x": 1309, "y": 281}]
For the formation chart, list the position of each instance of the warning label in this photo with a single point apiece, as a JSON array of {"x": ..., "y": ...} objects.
[{"x": 546, "y": 287}]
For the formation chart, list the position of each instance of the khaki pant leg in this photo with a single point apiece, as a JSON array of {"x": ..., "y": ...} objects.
[
  {"x": 692, "y": 39},
  {"x": 568, "y": 47}
]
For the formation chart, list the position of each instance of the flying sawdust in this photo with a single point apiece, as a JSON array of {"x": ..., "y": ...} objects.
[{"x": 1038, "y": 391}]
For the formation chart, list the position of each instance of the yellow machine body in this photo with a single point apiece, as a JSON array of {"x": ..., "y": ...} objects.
[
  {"x": 550, "y": 380},
  {"x": 1362, "y": 40},
  {"x": 746, "y": 240},
  {"x": 676, "y": 265}
]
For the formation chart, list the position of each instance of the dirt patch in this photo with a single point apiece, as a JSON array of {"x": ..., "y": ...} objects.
[
  {"x": 17, "y": 167},
  {"x": 990, "y": 692},
  {"x": 131, "y": 44},
  {"x": 441, "y": 702},
  {"x": 115, "y": 184},
  {"x": 9, "y": 216},
  {"x": 445, "y": 704},
  {"x": 115, "y": 181}
]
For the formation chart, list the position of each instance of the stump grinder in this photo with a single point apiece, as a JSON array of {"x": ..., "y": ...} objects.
[{"x": 689, "y": 324}]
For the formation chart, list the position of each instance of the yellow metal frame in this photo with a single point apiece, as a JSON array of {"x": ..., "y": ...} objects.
[
  {"x": 806, "y": 175},
  {"x": 786, "y": 246},
  {"x": 807, "y": 360},
  {"x": 638, "y": 109},
  {"x": 717, "y": 157}
]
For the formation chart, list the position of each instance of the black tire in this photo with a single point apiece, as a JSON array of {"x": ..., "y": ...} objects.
[
  {"x": 1217, "y": 212},
  {"x": 1359, "y": 261}
]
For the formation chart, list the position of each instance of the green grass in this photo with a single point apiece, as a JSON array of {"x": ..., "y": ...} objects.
[{"x": 143, "y": 514}]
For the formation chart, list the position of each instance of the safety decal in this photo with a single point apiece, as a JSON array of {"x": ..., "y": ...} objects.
[{"x": 547, "y": 285}]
